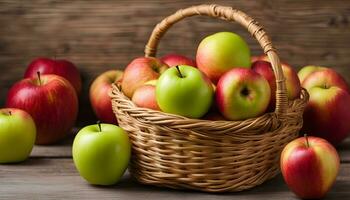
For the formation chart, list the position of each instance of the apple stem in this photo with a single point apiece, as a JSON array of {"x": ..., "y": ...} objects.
[
  {"x": 307, "y": 141},
  {"x": 178, "y": 69},
  {"x": 38, "y": 73},
  {"x": 10, "y": 113},
  {"x": 99, "y": 125}
]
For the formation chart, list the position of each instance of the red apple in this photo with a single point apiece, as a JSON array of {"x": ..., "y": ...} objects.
[
  {"x": 176, "y": 59},
  {"x": 145, "y": 96},
  {"x": 242, "y": 93},
  {"x": 62, "y": 68},
  {"x": 139, "y": 71},
  {"x": 309, "y": 166},
  {"x": 52, "y": 102},
  {"x": 327, "y": 114},
  {"x": 292, "y": 81},
  {"x": 99, "y": 95},
  {"x": 307, "y": 70}
]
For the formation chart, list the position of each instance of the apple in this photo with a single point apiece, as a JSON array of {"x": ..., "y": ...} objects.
[
  {"x": 52, "y": 102},
  {"x": 220, "y": 52},
  {"x": 292, "y": 81},
  {"x": 241, "y": 94},
  {"x": 62, "y": 68},
  {"x": 139, "y": 71},
  {"x": 145, "y": 96},
  {"x": 173, "y": 60},
  {"x": 17, "y": 135},
  {"x": 327, "y": 113},
  {"x": 307, "y": 70},
  {"x": 99, "y": 95},
  {"x": 101, "y": 153},
  {"x": 184, "y": 90},
  {"x": 309, "y": 166}
]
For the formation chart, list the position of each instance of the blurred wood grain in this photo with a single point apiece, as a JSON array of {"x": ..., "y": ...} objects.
[{"x": 101, "y": 35}]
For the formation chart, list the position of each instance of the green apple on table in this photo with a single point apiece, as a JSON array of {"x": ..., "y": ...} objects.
[
  {"x": 17, "y": 135},
  {"x": 101, "y": 153},
  {"x": 184, "y": 90}
]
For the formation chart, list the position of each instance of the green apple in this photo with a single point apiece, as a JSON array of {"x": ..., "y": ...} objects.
[
  {"x": 17, "y": 135},
  {"x": 184, "y": 90},
  {"x": 101, "y": 153},
  {"x": 220, "y": 52}
]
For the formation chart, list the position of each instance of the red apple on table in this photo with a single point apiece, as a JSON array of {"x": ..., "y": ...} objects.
[
  {"x": 242, "y": 93},
  {"x": 175, "y": 59},
  {"x": 292, "y": 81},
  {"x": 99, "y": 95},
  {"x": 52, "y": 102},
  {"x": 327, "y": 114},
  {"x": 139, "y": 71},
  {"x": 62, "y": 68},
  {"x": 221, "y": 52},
  {"x": 145, "y": 96},
  {"x": 309, "y": 166}
]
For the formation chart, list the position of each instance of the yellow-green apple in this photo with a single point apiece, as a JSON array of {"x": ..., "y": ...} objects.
[
  {"x": 101, "y": 153},
  {"x": 173, "y": 60},
  {"x": 184, "y": 90},
  {"x": 327, "y": 113},
  {"x": 220, "y": 52},
  {"x": 307, "y": 70},
  {"x": 63, "y": 68},
  {"x": 52, "y": 102},
  {"x": 139, "y": 71},
  {"x": 242, "y": 93},
  {"x": 17, "y": 135},
  {"x": 145, "y": 95},
  {"x": 309, "y": 166},
  {"x": 292, "y": 81},
  {"x": 99, "y": 95}
]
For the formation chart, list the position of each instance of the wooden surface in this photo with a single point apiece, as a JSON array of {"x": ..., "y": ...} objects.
[
  {"x": 101, "y": 35},
  {"x": 50, "y": 174}
]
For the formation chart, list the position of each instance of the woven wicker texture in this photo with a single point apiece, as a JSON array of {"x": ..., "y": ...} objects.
[{"x": 213, "y": 156}]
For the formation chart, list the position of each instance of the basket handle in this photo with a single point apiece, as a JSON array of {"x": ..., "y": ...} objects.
[{"x": 228, "y": 14}]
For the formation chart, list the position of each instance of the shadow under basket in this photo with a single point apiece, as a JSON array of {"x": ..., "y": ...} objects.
[{"x": 213, "y": 156}]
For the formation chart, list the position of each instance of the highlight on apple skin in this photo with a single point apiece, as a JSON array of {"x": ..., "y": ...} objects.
[
  {"x": 17, "y": 135},
  {"x": 63, "y": 68},
  {"x": 185, "y": 91},
  {"x": 99, "y": 95},
  {"x": 242, "y": 93},
  {"x": 145, "y": 96},
  {"x": 139, "y": 71},
  {"x": 327, "y": 113},
  {"x": 221, "y": 52},
  {"x": 309, "y": 166},
  {"x": 52, "y": 102},
  {"x": 173, "y": 60}
]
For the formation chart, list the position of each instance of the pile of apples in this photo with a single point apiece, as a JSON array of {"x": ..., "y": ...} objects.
[{"x": 223, "y": 83}]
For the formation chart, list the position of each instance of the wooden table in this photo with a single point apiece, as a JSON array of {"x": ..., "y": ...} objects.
[{"x": 50, "y": 174}]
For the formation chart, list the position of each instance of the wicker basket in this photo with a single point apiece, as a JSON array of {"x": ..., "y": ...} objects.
[{"x": 212, "y": 156}]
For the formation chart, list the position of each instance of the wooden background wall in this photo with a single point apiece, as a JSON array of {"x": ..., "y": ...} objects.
[{"x": 100, "y": 35}]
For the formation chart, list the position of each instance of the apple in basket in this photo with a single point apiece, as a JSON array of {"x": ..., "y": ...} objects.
[
  {"x": 99, "y": 95},
  {"x": 220, "y": 52},
  {"x": 101, "y": 153},
  {"x": 17, "y": 135},
  {"x": 139, "y": 71},
  {"x": 52, "y": 102},
  {"x": 62, "y": 68},
  {"x": 327, "y": 114},
  {"x": 145, "y": 95},
  {"x": 292, "y": 81},
  {"x": 242, "y": 93},
  {"x": 175, "y": 59},
  {"x": 184, "y": 90},
  {"x": 309, "y": 166}
]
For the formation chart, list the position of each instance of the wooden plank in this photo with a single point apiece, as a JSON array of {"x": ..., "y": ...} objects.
[
  {"x": 101, "y": 35},
  {"x": 58, "y": 179}
]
